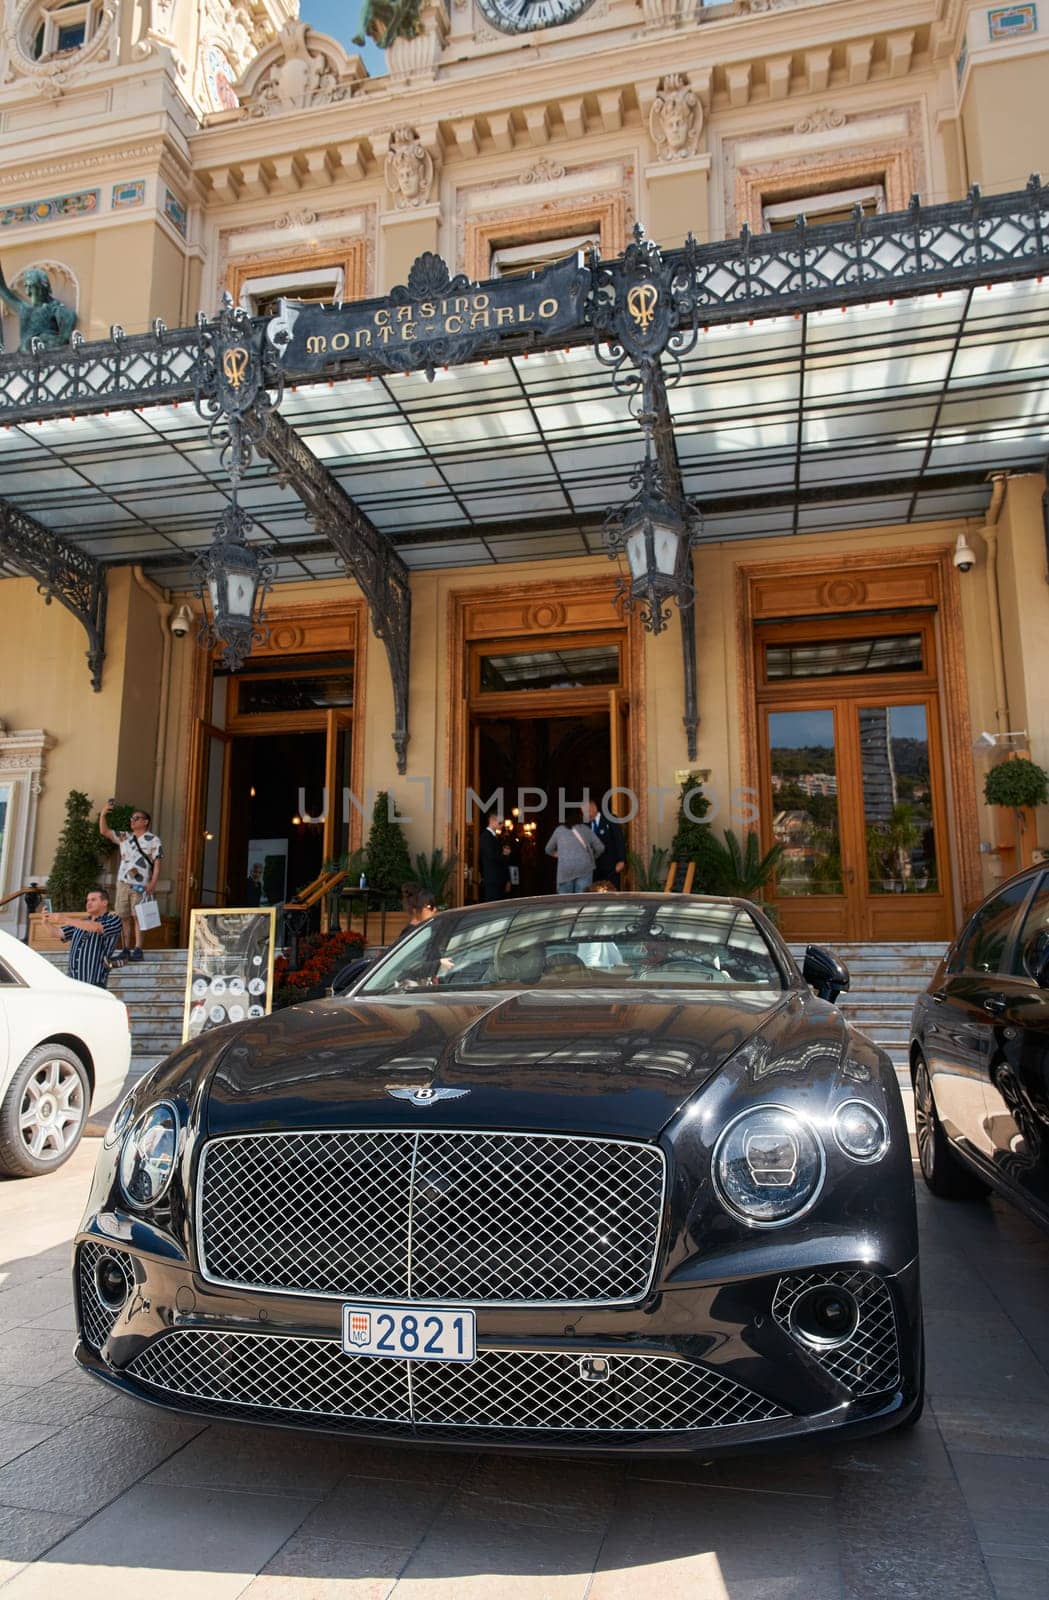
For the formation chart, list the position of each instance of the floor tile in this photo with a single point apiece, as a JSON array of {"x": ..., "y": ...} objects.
[
  {"x": 495, "y": 1561},
  {"x": 265, "y": 1460},
  {"x": 903, "y": 1540},
  {"x": 1008, "y": 1499},
  {"x": 382, "y": 1511},
  {"x": 79, "y": 1469},
  {"x": 18, "y": 1437},
  {"x": 309, "y": 1568},
  {"x": 1004, "y": 1428},
  {"x": 24, "y": 1535},
  {"x": 59, "y": 1402},
  {"x": 165, "y": 1543}
]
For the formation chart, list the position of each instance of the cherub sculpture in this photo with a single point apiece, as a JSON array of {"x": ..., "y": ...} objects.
[{"x": 40, "y": 315}]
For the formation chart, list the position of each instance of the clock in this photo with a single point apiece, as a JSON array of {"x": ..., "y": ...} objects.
[{"x": 527, "y": 16}]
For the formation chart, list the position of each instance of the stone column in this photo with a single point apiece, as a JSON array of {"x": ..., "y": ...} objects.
[{"x": 23, "y": 754}]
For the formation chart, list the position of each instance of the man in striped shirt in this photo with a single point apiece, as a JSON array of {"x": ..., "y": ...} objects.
[{"x": 91, "y": 938}]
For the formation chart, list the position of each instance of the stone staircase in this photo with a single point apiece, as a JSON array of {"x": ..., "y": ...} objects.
[
  {"x": 153, "y": 991},
  {"x": 885, "y": 980}
]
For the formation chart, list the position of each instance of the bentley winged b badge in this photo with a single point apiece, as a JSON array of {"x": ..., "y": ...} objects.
[{"x": 426, "y": 1094}]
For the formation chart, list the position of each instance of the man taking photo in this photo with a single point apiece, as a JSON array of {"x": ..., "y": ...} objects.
[
  {"x": 90, "y": 938},
  {"x": 141, "y": 853}
]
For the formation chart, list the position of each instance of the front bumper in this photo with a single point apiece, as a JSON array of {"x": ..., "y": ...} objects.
[{"x": 702, "y": 1367}]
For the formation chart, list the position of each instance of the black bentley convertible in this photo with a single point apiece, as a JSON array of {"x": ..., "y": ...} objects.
[{"x": 585, "y": 1172}]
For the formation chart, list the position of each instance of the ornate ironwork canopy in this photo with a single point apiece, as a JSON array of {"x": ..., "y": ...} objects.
[{"x": 834, "y": 376}]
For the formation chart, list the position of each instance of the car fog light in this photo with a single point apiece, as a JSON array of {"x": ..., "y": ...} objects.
[
  {"x": 825, "y": 1316},
  {"x": 147, "y": 1159},
  {"x": 111, "y": 1282},
  {"x": 768, "y": 1166},
  {"x": 861, "y": 1131}
]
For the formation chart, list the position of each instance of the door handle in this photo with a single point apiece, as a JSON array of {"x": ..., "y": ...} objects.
[
  {"x": 850, "y": 874},
  {"x": 994, "y": 1004}
]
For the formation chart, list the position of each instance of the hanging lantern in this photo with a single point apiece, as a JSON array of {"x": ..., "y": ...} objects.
[
  {"x": 656, "y": 535},
  {"x": 233, "y": 584}
]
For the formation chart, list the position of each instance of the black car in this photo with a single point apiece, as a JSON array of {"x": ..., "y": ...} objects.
[
  {"x": 587, "y": 1171},
  {"x": 980, "y": 1053}
]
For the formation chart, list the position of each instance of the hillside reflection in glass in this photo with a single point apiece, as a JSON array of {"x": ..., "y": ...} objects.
[{"x": 599, "y": 1172}]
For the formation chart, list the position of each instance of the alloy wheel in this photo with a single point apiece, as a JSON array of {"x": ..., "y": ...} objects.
[
  {"x": 52, "y": 1110},
  {"x": 924, "y": 1119}
]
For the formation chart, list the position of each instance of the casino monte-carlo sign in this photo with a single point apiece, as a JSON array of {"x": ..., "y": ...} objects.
[{"x": 433, "y": 321}]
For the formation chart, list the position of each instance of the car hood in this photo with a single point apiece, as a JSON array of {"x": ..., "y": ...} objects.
[{"x": 537, "y": 1060}]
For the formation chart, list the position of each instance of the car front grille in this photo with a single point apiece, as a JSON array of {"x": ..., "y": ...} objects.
[
  {"x": 541, "y": 1391},
  {"x": 96, "y": 1317},
  {"x": 487, "y": 1218},
  {"x": 869, "y": 1361}
]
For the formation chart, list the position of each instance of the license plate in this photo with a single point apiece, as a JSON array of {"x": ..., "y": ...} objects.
[{"x": 409, "y": 1333}]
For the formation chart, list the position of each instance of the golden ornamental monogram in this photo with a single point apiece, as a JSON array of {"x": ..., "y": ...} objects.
[
  {"x": 641, "y": 303},
  {"x": 235, "y": 365}
]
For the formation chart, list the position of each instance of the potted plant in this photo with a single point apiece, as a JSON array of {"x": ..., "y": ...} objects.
[
  {"x": 649, "y": 878},
  {"x": 434, "y": 873},
  {"x": 79, "y": 853},
  {"x": 740, "y": 868},
  {"x": 694, "y": 839},
  {"x": 386, "y": 860},
  {"x": 1018, "y": 785}
]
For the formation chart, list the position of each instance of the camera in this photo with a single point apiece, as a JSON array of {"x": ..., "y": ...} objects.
[
  {"x": 964, "y": 554},
  {"x": 181, "y": 621}
]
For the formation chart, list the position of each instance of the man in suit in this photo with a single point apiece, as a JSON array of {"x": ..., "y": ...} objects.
[
  {"x": 495, "y": 859},
  {"x": 613, "y": 861}
]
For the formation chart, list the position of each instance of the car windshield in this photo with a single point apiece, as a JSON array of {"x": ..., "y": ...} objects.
[{"x": 605, "y": 943}]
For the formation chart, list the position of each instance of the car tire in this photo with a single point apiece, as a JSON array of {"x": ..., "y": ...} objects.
[
  {"x": 944, "y": 1171},
  {"x": 44, "y": 1112}
]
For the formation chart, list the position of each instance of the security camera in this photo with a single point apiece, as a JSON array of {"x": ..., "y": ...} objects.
[
  {"x": 181, "y": 621},
  {"x": 964, "y": 554}
]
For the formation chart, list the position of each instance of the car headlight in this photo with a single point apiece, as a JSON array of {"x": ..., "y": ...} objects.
[
  {"x": 768, "y": 1166},
  {"x": 121, "y": 1117},
  {"x": 148, "y": 1157},
  {"x": 861, "y": 1131}
]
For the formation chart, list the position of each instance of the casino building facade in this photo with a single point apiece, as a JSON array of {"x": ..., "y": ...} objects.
[{"x": 847, "y": 403}]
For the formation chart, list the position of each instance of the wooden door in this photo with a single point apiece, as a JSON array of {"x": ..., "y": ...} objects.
[{"x": 851, "y": 777}]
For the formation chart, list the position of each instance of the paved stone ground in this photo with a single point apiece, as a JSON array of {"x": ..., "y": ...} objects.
[{"x": 103, "y": 1499}]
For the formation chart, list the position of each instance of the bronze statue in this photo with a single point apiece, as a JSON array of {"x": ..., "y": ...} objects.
[
  {"x": 40, "y": 315},
  {"x": 387, "y": 20}
]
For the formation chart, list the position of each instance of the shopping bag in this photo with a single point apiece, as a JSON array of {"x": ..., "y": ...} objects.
[{"x": 147, "y": 913}]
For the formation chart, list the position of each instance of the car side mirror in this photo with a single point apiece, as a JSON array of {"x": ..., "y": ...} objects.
[
  {"x": 347, "y": 976},
  {"x": 1036, "y": 958},
  {"x": 827, "y": 975}
]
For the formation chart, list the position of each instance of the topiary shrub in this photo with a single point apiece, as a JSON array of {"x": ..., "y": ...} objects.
[
  {"x": 78, "y": 855},
  {"x": 694, "y": 841},
  {"x": 1016, "y": 783},
  {"x": 386, "y": 859}
]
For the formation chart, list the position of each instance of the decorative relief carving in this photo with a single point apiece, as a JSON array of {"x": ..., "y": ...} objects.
[
  {"x": 821, "y": 120},
  {"x": 676, "y": 119},
  {"x": 896, "y": 158},
  {"x": 409, "y": 169},
  {"x": 295, "y": 219},
  {"x": 52, "y": 74},
  {"x": 747, "y": 8},
  {"x": 543, "y": 171},
  {"x": 301, "y": 69}
]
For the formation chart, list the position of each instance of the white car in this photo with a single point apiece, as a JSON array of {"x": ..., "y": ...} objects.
[{"x": 63, "y": 1047}]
